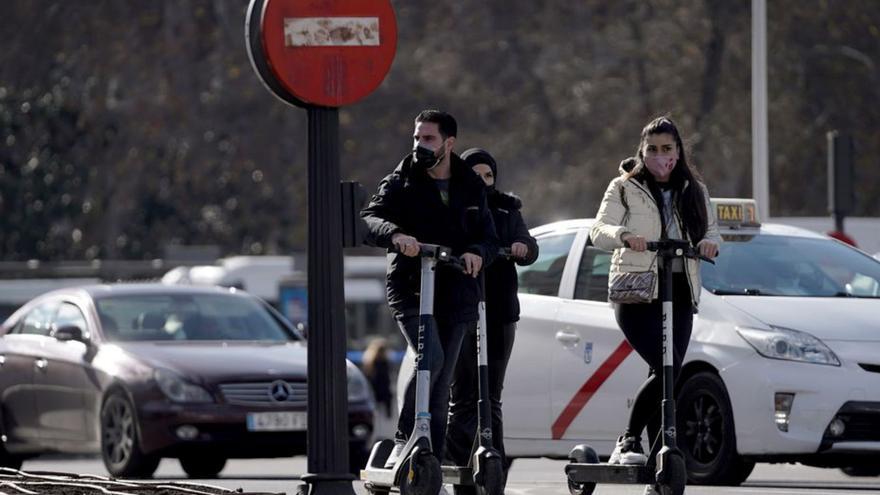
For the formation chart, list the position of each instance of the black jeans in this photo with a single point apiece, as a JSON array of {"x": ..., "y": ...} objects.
[
  {"x": 642, "y": 326},
  {"x": 445, "y": 346},
  {"x": 464, "y": 394}
]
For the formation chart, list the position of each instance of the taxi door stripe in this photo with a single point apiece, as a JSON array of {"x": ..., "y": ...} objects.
[{"x": 589, "y": 388}]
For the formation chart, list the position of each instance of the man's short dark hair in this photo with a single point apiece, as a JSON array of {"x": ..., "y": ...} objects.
[{"x": 446, "y": 123}]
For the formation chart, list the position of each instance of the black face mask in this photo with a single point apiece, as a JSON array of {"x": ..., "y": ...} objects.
[{"x": 425, "y": 159}]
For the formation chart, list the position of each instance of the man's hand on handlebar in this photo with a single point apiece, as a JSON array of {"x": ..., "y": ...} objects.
[
  {"x": 634, "y": 242},
  {"x": 708, "y": 248},
  {"x": 519, "y": 250},
  {"x": 407, "y": 245},
  {"x": 472, "y": 264}
]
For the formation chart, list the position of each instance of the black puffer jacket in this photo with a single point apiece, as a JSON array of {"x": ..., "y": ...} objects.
[
  {"x": 408, "y": 202},
  {"x": 502, "y": 303}
]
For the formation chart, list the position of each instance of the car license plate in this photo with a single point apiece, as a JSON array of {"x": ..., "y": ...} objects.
[{"x": 277, "y": 421}]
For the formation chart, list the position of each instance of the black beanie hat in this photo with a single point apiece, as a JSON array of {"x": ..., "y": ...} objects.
[{"x": 476, "y": 156}]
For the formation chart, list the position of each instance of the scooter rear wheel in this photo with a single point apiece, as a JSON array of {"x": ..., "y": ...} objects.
[
  {"x": 493, "y": 477},
  {"x": 582, "y": 454},
  {"x": 677, "y": 477},
  {"x": 421, "y": 475}
]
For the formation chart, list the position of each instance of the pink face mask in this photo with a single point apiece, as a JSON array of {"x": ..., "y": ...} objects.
[{"x": 660, "y": 165}]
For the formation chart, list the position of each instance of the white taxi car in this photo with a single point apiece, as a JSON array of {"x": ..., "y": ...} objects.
[{"x": 783, "y": 365}]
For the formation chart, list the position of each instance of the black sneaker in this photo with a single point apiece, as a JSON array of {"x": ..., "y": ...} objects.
[{"x": 628, "y": 451}]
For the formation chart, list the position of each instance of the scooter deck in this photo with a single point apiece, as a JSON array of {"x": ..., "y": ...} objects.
[
  {"x": 609, "y": 473},
  {"x": 378, "y": 476},
  {"x": 458, "y": 475}
]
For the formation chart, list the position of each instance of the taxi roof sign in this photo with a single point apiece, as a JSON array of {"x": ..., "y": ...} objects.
[{"x": 736, "y": 213}]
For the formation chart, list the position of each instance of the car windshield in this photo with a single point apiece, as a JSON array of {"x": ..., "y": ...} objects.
[
  {"x": 187, "y": 317},
  {"x": 770, "y": 265}
]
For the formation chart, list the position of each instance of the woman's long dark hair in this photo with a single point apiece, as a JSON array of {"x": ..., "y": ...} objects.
[{"x": 691, "y": 201}]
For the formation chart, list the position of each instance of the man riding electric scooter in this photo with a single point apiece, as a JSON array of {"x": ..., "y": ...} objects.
[{"x": 432, "y": 197}]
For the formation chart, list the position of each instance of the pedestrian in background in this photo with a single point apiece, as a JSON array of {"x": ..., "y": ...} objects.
[{"x": 377, "y": 368}]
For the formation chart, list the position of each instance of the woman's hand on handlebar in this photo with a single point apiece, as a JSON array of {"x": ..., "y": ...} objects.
[
  {"x": 407, "y": 245},
  {"x": 708, "y": 248},
  {"x": 472, "y": 264},
  {"x": 634, "y": 242},
  {"x": 519, "y": 250}
]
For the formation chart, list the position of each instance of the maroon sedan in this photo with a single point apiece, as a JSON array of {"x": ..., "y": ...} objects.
[{"x": 142, "y": 372}]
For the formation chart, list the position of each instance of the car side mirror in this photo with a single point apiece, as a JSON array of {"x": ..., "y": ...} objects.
[{"x": 70, "y": 332}]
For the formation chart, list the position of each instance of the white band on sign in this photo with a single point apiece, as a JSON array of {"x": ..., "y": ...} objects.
[{"x": 331, "y": 31}]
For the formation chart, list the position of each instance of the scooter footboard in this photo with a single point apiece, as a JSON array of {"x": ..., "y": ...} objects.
[
  {"x": 608, "y": 473},
  {"x": 458, "y": 475}
]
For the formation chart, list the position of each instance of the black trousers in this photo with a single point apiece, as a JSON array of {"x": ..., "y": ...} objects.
[
  {"x": 464, "y": 394},
  {"x": 445, "y": 346},
  {"x": 642, "y": 326}
]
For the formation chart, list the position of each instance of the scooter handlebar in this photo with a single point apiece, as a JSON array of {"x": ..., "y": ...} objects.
[
  {"x": 505, "y": 253},
  {"x": 677, "y": 247},
  {"x": 440, "y": 253}
]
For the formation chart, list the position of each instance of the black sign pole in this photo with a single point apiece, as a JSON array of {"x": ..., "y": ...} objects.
[
  {"x": 328, "y": 408},
  {"x": 328, "y": 432}
]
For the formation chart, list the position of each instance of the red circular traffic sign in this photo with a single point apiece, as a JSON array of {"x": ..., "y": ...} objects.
[{"x": 328, "y": 53}]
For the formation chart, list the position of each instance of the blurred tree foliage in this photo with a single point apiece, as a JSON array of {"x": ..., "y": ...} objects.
[{"x": 129, "y": 126}]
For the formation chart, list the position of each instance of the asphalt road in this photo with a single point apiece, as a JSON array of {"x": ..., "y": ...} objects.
[{"x": 528, "y": 476}]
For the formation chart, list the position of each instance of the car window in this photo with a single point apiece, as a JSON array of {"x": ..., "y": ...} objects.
[
  {"x": 69, "y": 315},
  {"x": 543, "y": 276},
  {"x": 148, "y": 317},
  {"x": 38, "y": 320},
  {"x": 791, "y": 266},
  {"x": 592, "y": 275}
]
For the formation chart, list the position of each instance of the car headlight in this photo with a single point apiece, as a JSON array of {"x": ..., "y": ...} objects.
[
  {"x": 789, "y": 345},
  {"x": 358, "y": 388},
  {"x": 178, "y": 390}
]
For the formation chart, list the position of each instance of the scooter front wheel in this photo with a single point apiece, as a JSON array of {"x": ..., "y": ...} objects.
[
  {"x": 421, "y": 475},
  {"x": 493, "y": 477},
  {"x": 677, "y": 478},
  {"x": 582, "y": 454}
]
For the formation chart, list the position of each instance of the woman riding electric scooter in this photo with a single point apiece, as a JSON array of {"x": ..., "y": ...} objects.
[{"x": 657, "y": 196}]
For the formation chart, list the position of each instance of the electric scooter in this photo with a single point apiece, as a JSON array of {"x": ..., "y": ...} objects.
[
  {"x": 667, "y": 472},
  {"x": 417, "y": 470},
  {"x": 485, "y": 469}
]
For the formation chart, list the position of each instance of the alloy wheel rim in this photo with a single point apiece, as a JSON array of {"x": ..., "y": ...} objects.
[
  {"x": 703, "y": 429},
  {"x": 118, "y": 431}
]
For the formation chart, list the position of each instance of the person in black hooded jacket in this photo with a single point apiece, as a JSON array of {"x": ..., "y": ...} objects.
[
  {"x": 432, "y": 197},
  {"x": 502, "y": 313}
]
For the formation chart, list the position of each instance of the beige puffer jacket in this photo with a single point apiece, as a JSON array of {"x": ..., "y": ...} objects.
[{"x": 640, "y": 215}]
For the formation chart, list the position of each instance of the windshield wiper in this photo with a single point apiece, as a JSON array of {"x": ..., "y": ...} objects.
[
  {"x": 741, "y": 292},
  {"x": 847, "y": 294}
]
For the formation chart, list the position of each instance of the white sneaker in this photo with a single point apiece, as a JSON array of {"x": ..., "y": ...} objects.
[
  {"x": 395, "y": 454},
  {"x": 628, "y": 451},
  {"x": 650, "y": 490},
  {"x": 443, "y": 490}
]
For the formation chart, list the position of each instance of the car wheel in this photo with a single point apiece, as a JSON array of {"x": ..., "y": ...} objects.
[
  {"x": 860, "y": 470},
  {"x": 120, "y": 440},
  {"x": 508, "y": 462},
  {"x": 706, "y": 433},
  {"x": 8, "y": 460},
  {"x": 202, "y": 466},
  {"x": 357, "y": 457}
]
